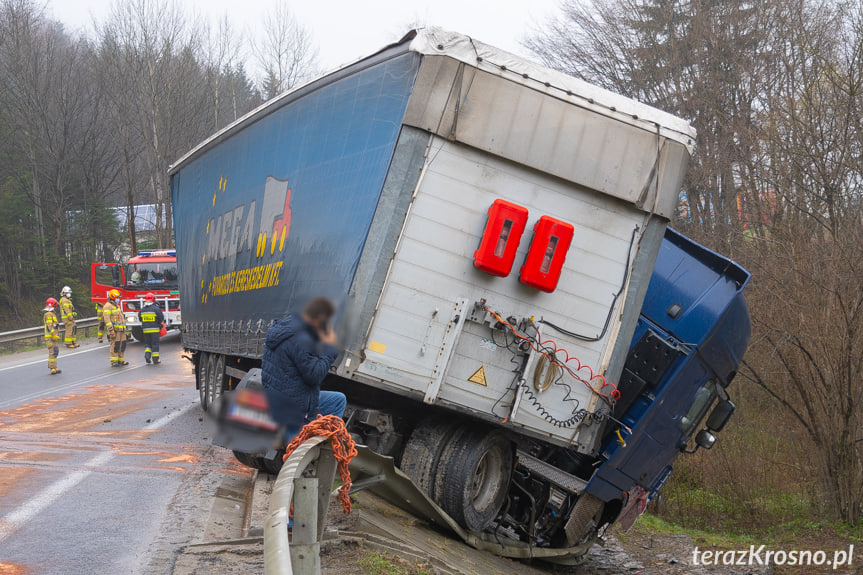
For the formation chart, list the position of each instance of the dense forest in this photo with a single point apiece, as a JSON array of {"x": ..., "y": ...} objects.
[
  {"x": 774, "y": 88},
  {"x": 89, "y": 125}
]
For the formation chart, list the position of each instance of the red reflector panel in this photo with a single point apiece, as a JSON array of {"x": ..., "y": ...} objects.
[
  {"x": 551, "y": 239},
  {"x": 496, "y": 253}
]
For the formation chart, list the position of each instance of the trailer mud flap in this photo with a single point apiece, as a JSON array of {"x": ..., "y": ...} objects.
[{"x": 378, "y": 474}]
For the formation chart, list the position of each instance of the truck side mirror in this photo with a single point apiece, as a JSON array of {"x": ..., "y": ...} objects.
[
  {"x": 720, "y": 415},
  {"x": 115, "y": 271},
  {"x": 705, "y": 439}
]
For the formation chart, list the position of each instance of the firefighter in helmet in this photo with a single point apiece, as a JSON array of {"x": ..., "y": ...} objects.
[
  {"x": 68, "y": 315},
  {"x": 115, "y": 324},
  {"x": 151, "y": 321},
  {"x": 52, "y": 333},
  {"x": 101, "y": 330}
]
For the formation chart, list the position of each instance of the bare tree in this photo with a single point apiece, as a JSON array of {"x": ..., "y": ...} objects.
[
  {"x": 150, "y": 52},
  {"x": 119, "y": 87},
  {"x": 50, "y": 99},
  {"x": 702, "y": 60},
  {"x": 809, "y": 351},
  {"x": 284, "y": 52},
  {"x": 231, "y": 93},
  {"x": 221, "y": 52}
]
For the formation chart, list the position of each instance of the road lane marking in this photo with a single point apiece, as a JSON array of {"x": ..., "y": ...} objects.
[{"x": 32, "y": 507}]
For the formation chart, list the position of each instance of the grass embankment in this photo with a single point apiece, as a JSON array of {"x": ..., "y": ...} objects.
[{"x": 760, "y": 485}]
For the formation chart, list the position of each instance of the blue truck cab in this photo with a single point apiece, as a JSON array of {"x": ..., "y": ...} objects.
[{"x": 690, "y": 339}]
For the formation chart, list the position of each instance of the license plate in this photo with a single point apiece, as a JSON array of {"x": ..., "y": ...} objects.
[{"x": 252, "y": 417}]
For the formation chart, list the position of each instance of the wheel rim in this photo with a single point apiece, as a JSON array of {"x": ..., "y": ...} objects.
[{"x": 487, "y": 479}]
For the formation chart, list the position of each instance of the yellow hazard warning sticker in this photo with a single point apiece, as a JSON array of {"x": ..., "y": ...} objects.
[
  {"x": 478, "y": 377},
  {"x": 377, "y": 346}
]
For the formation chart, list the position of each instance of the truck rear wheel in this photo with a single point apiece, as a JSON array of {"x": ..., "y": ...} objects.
[
  {"x": 422, "y": 452},
  {"x": 204, "y": 379},
  {"x": 216, "y": 377},
  {"x": 138, "y": 333},
  {"x": 473, "y": 475}
]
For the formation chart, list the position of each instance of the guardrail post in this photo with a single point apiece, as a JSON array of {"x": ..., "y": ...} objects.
[
  {"x": 326, "y": 473},
  {"x": 305, "y": 544},
  {"x": 310, "y": 496}
]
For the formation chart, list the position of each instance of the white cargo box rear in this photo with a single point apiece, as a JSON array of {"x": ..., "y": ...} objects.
[{"x": 503, "y": 128}]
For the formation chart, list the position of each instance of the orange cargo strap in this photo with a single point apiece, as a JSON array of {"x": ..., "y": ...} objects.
[{"x": 344, "y": 449}]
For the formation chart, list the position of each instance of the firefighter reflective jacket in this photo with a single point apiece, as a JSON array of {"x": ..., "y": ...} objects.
[
  {"x": 52, "y": 328},
  {"x": 114, "y": 318},
  {"x": 151, "y": 318},
  {"x": 67, "y": 310}
]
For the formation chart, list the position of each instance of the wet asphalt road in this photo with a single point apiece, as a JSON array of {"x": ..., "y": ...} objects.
[{"x": 102, "y": 470}]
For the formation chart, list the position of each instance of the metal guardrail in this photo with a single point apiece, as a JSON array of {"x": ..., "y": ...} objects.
[
  {"x": 10, "y": 338},
  {"x": 305, "y": 479}
]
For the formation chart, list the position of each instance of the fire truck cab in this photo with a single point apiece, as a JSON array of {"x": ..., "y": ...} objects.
[{"x": 148, "y": 272}]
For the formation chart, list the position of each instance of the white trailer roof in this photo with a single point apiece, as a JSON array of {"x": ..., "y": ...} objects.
[{"x": 440, "y": 42}]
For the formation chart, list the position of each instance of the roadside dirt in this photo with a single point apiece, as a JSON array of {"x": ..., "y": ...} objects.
[
  {"x": 377, "y": 538},
  {"x": 418, "y": 549}
]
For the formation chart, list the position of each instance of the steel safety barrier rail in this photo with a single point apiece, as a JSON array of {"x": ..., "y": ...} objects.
[
  {"x": 306, "y": 479},
  {"x": 10, "y": 338}
]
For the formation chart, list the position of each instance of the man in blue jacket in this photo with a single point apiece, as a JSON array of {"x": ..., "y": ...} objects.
[{"x": 298, "y": 354}]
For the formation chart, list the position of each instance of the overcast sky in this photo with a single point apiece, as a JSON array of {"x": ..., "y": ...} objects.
[{"x": 345, "y": 30}]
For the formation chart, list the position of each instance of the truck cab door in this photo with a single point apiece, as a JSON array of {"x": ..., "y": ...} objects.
[{"x": 104, "y": 277}]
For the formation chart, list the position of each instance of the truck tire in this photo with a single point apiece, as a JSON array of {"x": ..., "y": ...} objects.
[
  {"x": 472, "y": 479},
  {"x": 249, "y": 460},
  {"x": 422, "y": 452},
  {"x": 203, "y": 376},
  {"x": 273, "y": 466},
  {"x": 216, "y": 379},
  {"x": 138, "y": 333},
  {"x": 583, "y": 520}
]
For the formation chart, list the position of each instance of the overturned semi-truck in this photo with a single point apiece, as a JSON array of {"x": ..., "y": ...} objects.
[{"x": 522, "y": 336}]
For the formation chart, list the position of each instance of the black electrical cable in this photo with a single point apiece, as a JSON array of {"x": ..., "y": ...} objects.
[
  {"x": 519, "y": 367},
  {"x": 578, "y": 415},
  {"x": 590, "y": 339}
]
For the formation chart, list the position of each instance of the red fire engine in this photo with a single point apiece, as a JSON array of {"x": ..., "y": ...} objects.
[{"x": 148, "y": 272}]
